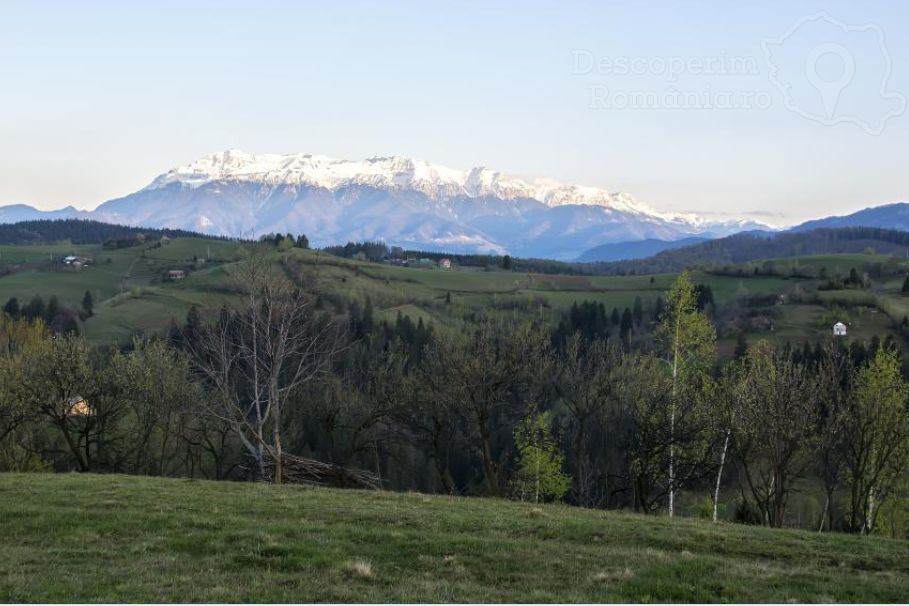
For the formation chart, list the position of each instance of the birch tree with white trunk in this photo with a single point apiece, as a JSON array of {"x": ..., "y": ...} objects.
[
  {"x": 688, "y": 342},
  {"x": 261, "y": 352}
]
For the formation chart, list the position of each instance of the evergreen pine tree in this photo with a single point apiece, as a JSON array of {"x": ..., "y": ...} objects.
[
  {"x": 34, "y": 309},
  {"x": 658, "y": 308},
  {"x": 12, "y": 307},
  {"x": 52, "y": 309},
  {"x": 741, "y": 346},
  {"x": 88, "y": 304},
  {"x": 627, "y": 325},
  {"x": 193, "y": 328}
]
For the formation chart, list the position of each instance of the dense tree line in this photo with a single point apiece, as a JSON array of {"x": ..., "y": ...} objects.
[
  {"x": 371, "y": 251},
  {"x": 379, "y": 251},
  {"x": 81, "y": 231},
  {"x": 58, "y": 318},
  {"x": 748, "y": 247},
  {"x": 715, "y": 254},
  {"x": 284, "y": 242},
  {"x": 497, "y": 407}
]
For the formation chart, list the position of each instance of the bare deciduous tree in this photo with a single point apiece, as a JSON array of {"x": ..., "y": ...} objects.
[
  {"x": 484, "y": 375},
  {"x": 586, "y": 383},
  {"x": 60, "y": 386},
  {"x": 832, "y": 383},
  {"x": 644, "y": 394},
  {"x": 259, "y": 354},
  {"x": 877, "y": 437},
  {"x": 17, "y": 337},
  {"x": 434, "y": 419},
  {"x": 722, "y": 421},
  {"x": 357, "y": 407},
  {"x": 159, "y": 391},
  {"x": 774, "y": 413}
]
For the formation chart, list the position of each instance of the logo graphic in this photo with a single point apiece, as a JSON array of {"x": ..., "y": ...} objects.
[{"x": 833, "y": 73}]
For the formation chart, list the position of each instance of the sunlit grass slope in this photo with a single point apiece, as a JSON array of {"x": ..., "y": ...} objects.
[{"x": 88, "y": 538}]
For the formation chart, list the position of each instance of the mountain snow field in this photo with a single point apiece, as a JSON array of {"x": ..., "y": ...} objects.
[{"x": 398, "y": 200}]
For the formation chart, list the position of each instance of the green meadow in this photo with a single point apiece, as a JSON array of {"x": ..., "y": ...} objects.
[
  {"x": 96, "y": 538},
  {"x": 132, "y": 295}
]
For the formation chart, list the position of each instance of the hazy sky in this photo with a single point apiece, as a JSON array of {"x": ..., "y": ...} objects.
[{"x": 96, "y": 98}]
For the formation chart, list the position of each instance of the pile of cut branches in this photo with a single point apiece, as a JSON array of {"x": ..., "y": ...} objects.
[{"x": 298, "y": 470}]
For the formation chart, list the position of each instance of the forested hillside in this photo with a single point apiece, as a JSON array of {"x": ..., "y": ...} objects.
[
  {"x": 304, "y": 367},
  {"x": 746, "y": 247},
  {"x": 887, "y": 216},
  {"x": 636, "y": 249},
  {"x": 79, "y": 231}
]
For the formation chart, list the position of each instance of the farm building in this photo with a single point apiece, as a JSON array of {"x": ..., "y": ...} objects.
[
  {"x": 839, "y": 329},
  {"x": 77, "y": 407},
  {"x": 176, "y": 274},
  {"x": 445, "y": 263},
  {"x": 74, "y": 261}
]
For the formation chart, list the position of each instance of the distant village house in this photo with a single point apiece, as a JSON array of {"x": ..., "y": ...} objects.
[
  {"x": 77, "y": 407},
  {"x": 445, "y": 263},
  {"x": 75, "y": 261},
  {"x": 839, "y": 329},
  {"x": 176, "y": 274}
]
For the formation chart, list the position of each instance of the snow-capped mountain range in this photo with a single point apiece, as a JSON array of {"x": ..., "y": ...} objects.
[{"x": 400, "y": 200}]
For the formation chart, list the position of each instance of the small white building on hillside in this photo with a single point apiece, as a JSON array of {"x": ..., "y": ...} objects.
[{"x": 839, "y": 329}]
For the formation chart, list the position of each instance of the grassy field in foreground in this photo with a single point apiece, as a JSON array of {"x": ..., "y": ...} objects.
[{"x": 91, "y": 538}]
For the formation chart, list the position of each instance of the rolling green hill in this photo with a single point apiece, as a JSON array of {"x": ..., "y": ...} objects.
[
  {"x": 127, "y": 284},
  {"x": 132, "y": 296},
  {"x": 755, "y": 246},
  {"x": 84, "y": 538}
]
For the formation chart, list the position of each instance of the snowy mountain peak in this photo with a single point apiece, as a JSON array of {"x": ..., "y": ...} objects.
[
  {"x": 402, "y": 201},
  {"x": 388, "y": 172}
]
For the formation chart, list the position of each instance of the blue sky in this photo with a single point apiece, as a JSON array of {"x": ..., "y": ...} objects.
[{"x": 96, "y": 98}]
